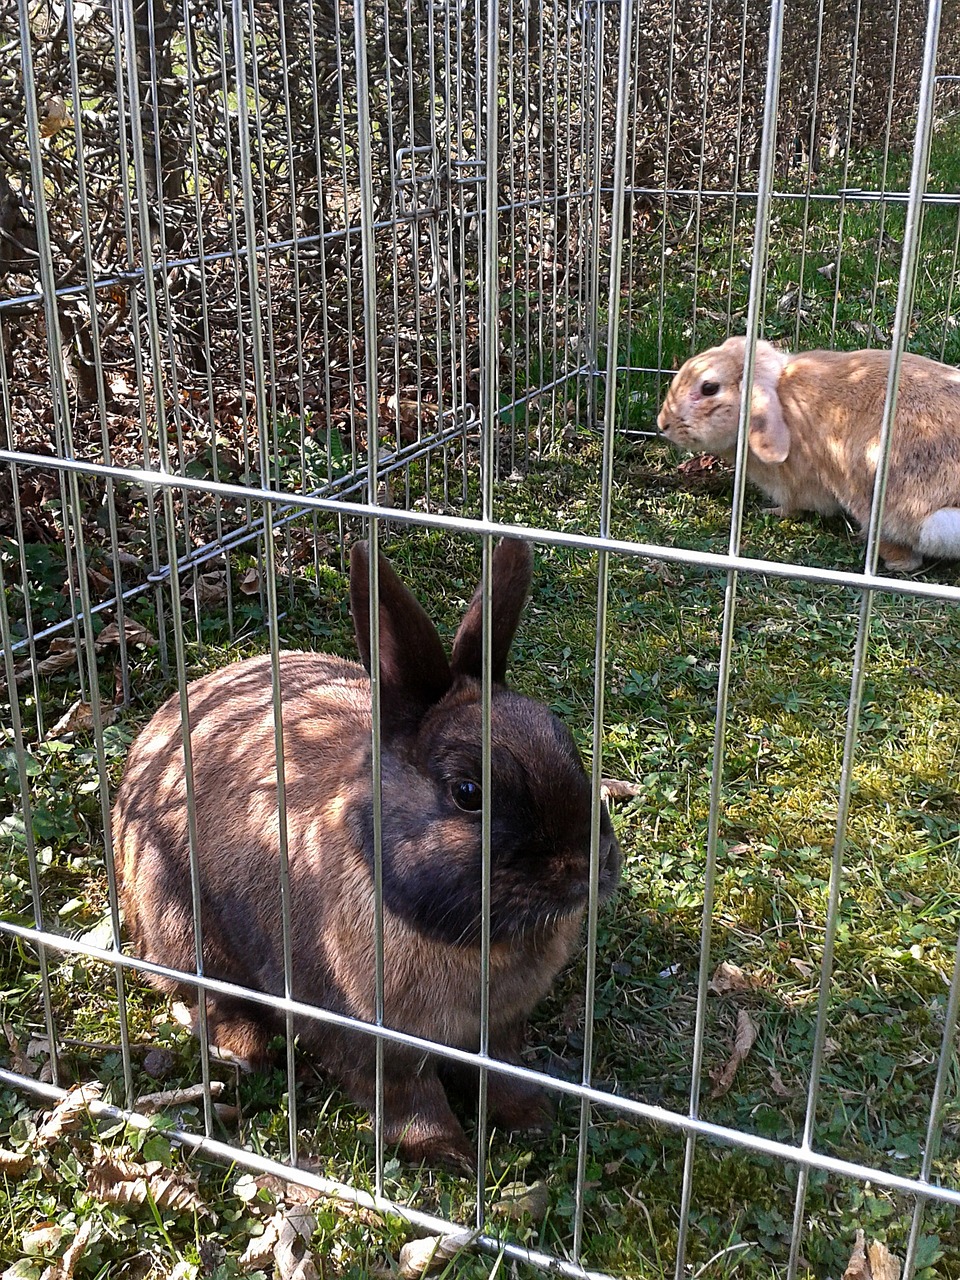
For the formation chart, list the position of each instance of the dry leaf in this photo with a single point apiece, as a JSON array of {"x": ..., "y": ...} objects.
[
  {"x": 13, "y": 1163},
  {"x": 63, "y": 1268},
  {"x": 746, "y": 1035},
  {"x": 208, "y": 588},
  {"x": 117, "y": 1181},
  {"x": 61, "y": 658},
  {"x": 730, "y": 979},
  {"x": 291, "y": 1255},
  {"x": 802, "y": 967},
  {"x": 875, "y": 1262},
  {"x": 133, "y": 633},
  {"x": 79, "y": 718},
  {"x": 259, "y": 1251},
  {"x": 19, "y": 1061},
  {"x": 285, "y": 1240},
  {"x": 42, "y": 1239},
  {"x": 776, "y": 1083},
  {"x": 518, "y": 1201},
  {"x": 54, "y": 116},
  {"x": 616, "y": 789},
  {"x": 250, "y": 582},
  {"x": 417, "y": 1257},
  {"x": 69, "y": 1113},
  {"x": 150, "y": 1102}
]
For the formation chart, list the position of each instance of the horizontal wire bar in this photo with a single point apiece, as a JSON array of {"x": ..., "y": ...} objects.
[
  {"x": 804, "y": 1156},
  {"x": 478, "y": 527},
  {"x": 135, "y": 275},
  {"x": 249, "y": 532},
  {"x": 224, "y": 1152}
]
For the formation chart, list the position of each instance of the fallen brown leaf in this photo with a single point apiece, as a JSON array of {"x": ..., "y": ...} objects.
[
  {"x": 69, "y": 1113},
  {"x": 285, "y": 1240},
  {"x": 117, "y": 1181},
  {"x": 730, "y": 979},
  {"x": 54, "y": 116},
  {"x": 743, "y": 1043},
  {"x": 13, "y": 1163},
  {"x": 778, "y": 1086},
  {"x": 417, "y": 1257},
  {"x": 79, "y": 718},
  {"x": 208, "y": 589},
  {"x": 63, "y": 1268},
  {"x": 132, "y": 631},
  {"x": 19, "y": 1061},
  {"x": 291, "y": 1254},
  {"x": 518, "y": 1201},
  {"x": 250, "y": 582}
]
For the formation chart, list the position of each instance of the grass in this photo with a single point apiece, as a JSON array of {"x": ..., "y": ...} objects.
[{"x": 899, "y": 913}]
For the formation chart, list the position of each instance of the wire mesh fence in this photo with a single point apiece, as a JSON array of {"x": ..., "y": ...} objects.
[{"x": 279, "y": 278}]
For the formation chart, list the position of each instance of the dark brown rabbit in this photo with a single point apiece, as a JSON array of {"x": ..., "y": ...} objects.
[{"x": 431, "y": 771}]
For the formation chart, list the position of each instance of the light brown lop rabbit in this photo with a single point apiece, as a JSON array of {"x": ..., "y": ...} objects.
[
  {"x": 815, "y": 431},
  {"x": 431, "y": 772}
]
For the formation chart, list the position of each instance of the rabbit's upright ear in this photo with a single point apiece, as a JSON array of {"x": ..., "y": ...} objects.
[
  {"x": 414, "y": 672},
  {"x": 511, "y": 574}
]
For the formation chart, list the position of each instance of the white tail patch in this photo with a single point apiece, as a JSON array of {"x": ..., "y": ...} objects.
[{"x": 940, "y": 534}]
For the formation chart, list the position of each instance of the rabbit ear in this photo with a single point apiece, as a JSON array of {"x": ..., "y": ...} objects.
[
  {"x": 769, "y": 434},
  {"x": 414, "y": 672},
  {"x": 512, "y": 571}
]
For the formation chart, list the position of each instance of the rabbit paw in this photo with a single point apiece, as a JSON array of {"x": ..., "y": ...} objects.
[
  {"x": 448, "y": 1149},
  {"x": 899, "y": 558},
  {"x": 514, "y": 1104}
]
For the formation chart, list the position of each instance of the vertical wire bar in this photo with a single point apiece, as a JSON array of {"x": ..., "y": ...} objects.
[
  {"x": 269, "y": 547},
  {"x": 592, "y": 337},
  {"x": 295, "y": 245},
  {"x": 369, "y": 266},
  {"x": 153, "y": 328},
  {"x": 322, "y": 258},
  {"x": 125, "y": 164},
  {"x": 618, "y": 198},
  {"x": 808, "y": 182},
  {"x": 163, "y": 276},
  {"x": 908, "y": 273},
  {"x": 768, "y": 145},
  {"x": 85, "y": 223},
  {"x": 887, "y": 134},
  {"x": 348, "y": 238},
  {"x": 222, "y": 28},
  {"x": 26, "y": 808},
  {"x": 88, "y": 646},
  {"x": 113, "y": 896},
  {"x": 204, "y": 300},
  {"x": 701, "y": 168},
  {"x": 667, "y": 141},
  {"x": 931, "y": 1146},
  {"x": 854, "y": 55},
  {"x": 632, "y": 266},
  {"x": 269, "y": 359},
  {"x": 488, "y": 417},
  {"x": 901, "y": 328},
  {"x": 60, "y": 403},
  {"x": 737, "y": 161}
]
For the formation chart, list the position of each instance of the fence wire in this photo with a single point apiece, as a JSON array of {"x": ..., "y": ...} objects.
[{"x": 277, "y": 277}]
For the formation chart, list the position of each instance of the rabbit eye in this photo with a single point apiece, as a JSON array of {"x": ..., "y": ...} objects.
[
  {"x": 709, "y": 388},
  {"x": 467, "y": 795}
]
